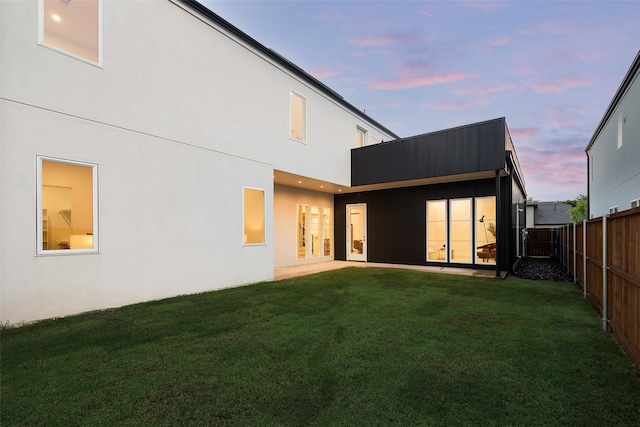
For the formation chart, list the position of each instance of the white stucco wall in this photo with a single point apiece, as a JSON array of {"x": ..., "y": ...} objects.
[
  {"x": 178, "y": 119},
  {"x": 614, "y": 173}
]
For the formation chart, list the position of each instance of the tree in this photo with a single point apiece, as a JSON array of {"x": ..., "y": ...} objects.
[{"x": 579, "y": 211}]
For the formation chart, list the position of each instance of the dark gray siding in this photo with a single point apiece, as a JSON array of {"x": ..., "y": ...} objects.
[{"x": 473, "y": 148}]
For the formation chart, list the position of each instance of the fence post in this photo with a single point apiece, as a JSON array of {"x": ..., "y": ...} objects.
[
  {"x": 584, "y": 258},
  {"x": 604, "y": 273},
  {"x": 575, "y": 254}
]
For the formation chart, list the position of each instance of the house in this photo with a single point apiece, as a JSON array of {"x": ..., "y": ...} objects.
[
  {"x": 547, "y": 214},
  {"x": 614, "y": 151},
  {"x": 147, "y": 158}
]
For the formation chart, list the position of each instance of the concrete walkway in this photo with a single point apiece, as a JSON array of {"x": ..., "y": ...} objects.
[{"x": 281, "y": 273}]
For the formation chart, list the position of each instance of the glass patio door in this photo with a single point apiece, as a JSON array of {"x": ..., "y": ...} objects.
[{"x": 357, "y": 232}]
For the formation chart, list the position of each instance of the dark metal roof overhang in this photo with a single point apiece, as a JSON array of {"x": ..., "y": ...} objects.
[{"x": 474, "y": 151}]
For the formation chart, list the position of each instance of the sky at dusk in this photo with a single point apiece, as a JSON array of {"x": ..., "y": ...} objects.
[{"x": 551, "y": 68}]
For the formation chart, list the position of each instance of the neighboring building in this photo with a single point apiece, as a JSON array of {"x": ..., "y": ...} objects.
[
  {"x": 547, "y": 214},
  {"x": 151, "y": 149},
  {"x": 614, "y": 151}
]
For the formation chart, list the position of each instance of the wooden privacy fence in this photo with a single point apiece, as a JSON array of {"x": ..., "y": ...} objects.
[
  {"x": 543, "y": 241},
  {"x": 603, "y": 254}
]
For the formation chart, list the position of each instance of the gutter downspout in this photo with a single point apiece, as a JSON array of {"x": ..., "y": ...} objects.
[{"x": 584, "y": 258}]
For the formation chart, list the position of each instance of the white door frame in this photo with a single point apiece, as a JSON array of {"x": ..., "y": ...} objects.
[{"x": 350, "y": 255}]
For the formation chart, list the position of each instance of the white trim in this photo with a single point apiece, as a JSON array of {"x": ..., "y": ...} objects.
[
  {"x": 62, "y": 51},
  {"x": 264, "y": 214},
  {"x": 306, "y": 136},
  {"x": 362, "y": 131},
  {"x": 95, "y": 206},
  {"x": 637, "y": 203}
]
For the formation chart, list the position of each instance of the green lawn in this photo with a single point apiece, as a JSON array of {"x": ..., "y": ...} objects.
[{"x": 347, "y": 347}]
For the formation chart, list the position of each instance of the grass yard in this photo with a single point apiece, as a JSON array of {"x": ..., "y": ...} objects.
[{"x": 346, "y": 347}]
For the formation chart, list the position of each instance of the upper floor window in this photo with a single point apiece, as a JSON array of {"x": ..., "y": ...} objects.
[
  {"x": 374, "y": 140},
  {"x": 621, "y": 120},
  {"x": 298, "y": 117},
  {"x": 67, "y": 206},
  {"x": 73, "y": 27},
  {"x": 361, "y": 137}
]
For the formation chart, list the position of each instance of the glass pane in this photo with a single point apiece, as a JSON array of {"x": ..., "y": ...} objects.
[
  {"x": 253, "y": 216},
  {"x": 67, "y": 206},
  {"x": 328, "y": 230},
  {"x": 460, "y": 229},
  {"x": 72, "y": 26},
  {"x": 302, "y": 231},
  {"x": 298, "y": 117},
  {"x": 436, "y": 231},
  {"x": 486, "y": 230},
  {"x": 315, "y": 232},
  {"x": 359, "y": 138},
  {"x": 356, "y": 221}
]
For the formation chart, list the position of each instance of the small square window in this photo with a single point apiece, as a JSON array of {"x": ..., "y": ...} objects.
[
  {"x": 635, "y": 203},
  {"x": 72, "y": 26},
  {"x": 67, "y": 207},
  {"x": 253, "y": 216},
  {"x": 613, "y": 209}
]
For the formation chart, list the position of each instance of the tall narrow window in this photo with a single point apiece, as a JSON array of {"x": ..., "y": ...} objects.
[
  {"x": 72, "y": 26},
  {"x": 327, "y": 231},
  {"x": 302, "y": 231},
  {"x": 621, "y": 120},
  {"x": 361, "y": 137},
  {"x": 298, "y": 117},
  {"x": 437, "y": 230},
  {"x": 253, "y": 217},
  {"x": 67, "y": 206},
  {"x": 486, "y": 231},
  {"x": 460, "y": 230}
]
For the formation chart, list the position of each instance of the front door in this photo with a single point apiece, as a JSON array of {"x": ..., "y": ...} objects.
[{"x": 357, "y": 232}]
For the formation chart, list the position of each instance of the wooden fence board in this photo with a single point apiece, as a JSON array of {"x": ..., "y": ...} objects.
[{"x": 623, "y": 272}]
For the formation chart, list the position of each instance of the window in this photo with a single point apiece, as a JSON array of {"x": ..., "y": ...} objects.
[
  {"x": 486, "y": 231},
  {"x": 460, "y": 229},
  {"x": 621, "y": 120},
  {"x": 635, "y": 203},
  {"x": 437, "y": 230},
  {"x": 253, "y": 216},
  {"x": 361, "y": 137},
  {"x": 613, "y": 209},
  {"x": 374, "y": 140},
  {"x": 298, "y": 117},
  {"x": 327, "y": 232},
  {"x": 314, "y": 231},
  {"x": 67, "y": 206},
  {"x": 73, "y": 27}
]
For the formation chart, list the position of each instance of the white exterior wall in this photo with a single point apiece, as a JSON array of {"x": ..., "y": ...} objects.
[
  {"x": 179, "y": 118},
  {"x": 614, "y": 173}
]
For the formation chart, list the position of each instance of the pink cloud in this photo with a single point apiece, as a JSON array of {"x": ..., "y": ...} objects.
[
  {"x": 383, "y": 41},
  {"x": 561, "y": 84},
  {"x": 524, "y": 132},
  {"x": 331, "y": 15},
  {"x": 486, "y": 90},
  {"x": 411, "y": 81},
  {"x": 562, "y": 116},
  {"x": 549, "y": 27},
  {"x": 326, "y": 72},
  {"x": 554, "y": 167},
  {"x": 500, "y": 41},
  {"x": 453, "y": 106}
]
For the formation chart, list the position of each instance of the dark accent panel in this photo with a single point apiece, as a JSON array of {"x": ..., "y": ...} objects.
[
  {"x": 396, "y": 219},
  {"x": 466, "y": 149}
]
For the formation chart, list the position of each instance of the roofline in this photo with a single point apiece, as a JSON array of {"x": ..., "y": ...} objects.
[
  {"x": 448, "y": 129},
  {"x": 626, "y": 82},
  {"x": 281, "y": 60}
]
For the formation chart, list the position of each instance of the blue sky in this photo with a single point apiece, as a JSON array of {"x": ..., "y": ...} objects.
[{"x": 551, "y": 68}]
